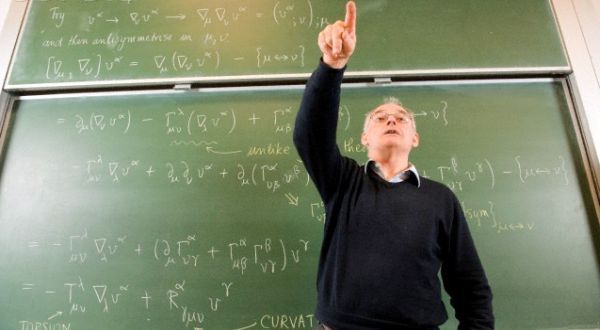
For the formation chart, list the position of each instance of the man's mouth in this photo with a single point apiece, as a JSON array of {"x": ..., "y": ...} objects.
[{"x": 391, "y": 131}]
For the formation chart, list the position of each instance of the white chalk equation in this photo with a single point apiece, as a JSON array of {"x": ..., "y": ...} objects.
[
  {"x": 270, "y": 175},
  {"x": 183, "y": 124},
  {"x": 459, "y": 175},
  {"x": 238, "y": 263},
  {"x": 188, "y": 40},
  {"x": 262, "y": 256},
  {"x": 87, "y": 298}
]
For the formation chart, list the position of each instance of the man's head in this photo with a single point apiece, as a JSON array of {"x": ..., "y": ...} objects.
[{"x": 389, "y": 127}]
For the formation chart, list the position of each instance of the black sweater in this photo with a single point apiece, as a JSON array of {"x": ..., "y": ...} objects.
[{"x": 384, "y": 243}]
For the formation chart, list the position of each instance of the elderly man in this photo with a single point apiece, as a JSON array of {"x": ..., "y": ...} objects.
[{"x": 388, "y": 231}]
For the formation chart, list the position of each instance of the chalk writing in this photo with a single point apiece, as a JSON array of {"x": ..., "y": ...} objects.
[
  {"x": 188, "y": 39},
  {"x": 89, "y": 295},
  {"x": 189, "y": 122},
  {"x": 485, "y": 215},
  {"x": 298, "y": 14},
  {"x": 183, "y": 122},
  {"x": 121, "y": 121},
  {"x": 533, "y": 170},
  {"x": 458, "y": 175},
  {"x": 287, "y": 321},
  {"x": 268, "y": 255},
  {"x": 38, "y": 325},
  {"x": 438, "y": 115},
  {"x": 266, "y": 58},
  {"x": 105, "y": 299}
]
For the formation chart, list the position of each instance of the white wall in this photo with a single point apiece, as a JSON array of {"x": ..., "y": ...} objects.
[
  {"x": 589, "y": 24},
  {"x": 3, "y": 11}
]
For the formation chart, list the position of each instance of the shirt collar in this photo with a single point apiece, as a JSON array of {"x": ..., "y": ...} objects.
[{"x": 399, "y": 177}]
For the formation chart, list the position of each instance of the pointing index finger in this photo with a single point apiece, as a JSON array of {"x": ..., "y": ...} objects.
[{"x": 350, "y": 21}]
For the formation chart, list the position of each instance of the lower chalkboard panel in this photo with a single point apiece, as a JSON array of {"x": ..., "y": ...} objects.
[{"x": 191, "y": 210}]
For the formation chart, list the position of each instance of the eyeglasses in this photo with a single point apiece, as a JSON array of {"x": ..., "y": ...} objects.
[{"x": 382, "y": 117}]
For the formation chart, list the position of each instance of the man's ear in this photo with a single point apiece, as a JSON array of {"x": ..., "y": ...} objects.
[
  {"x": 416, "y": 139},
  {"x": 363, "y": 139}
]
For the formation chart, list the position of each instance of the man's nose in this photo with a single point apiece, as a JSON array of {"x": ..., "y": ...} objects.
[{"x": 391, "y": 120}]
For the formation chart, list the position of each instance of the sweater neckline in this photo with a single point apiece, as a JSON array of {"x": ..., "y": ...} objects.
[{"x": 412, "y": 175}]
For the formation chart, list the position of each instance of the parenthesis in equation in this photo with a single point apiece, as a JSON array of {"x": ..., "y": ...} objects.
[
  {"x": 99, "y": 65},
  {"x": 173, "y": 61},
  {"x": 284, "y": 255},
  {"x": 310, "y": 9},
  {"x": 50, "y": 60},
  {"x": 156, "y": 249},
  {"x": 254, "y": 171},
  {"x": 234, "y": 121},
  {"x": 345, "y": 109},
  {"x": 307, "y": 175},
  {"x": 275, "y": 12},
  {"x": 517, "y": 160},
  {"x": 128, "y": 122},
  {"x": 491, "y": 172},
  {"x": 189, "y": 125}
]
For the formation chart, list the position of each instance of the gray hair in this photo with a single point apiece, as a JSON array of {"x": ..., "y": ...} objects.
[{"x": 389, "y": 100}]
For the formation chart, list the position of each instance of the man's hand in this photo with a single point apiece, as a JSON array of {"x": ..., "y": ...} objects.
[{"x": 338, "y": 40}]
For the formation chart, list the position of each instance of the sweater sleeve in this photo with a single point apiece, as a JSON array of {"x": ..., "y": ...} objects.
[
  {"x": 316, "y": 126},
  {"x": 464, "y": 278}
]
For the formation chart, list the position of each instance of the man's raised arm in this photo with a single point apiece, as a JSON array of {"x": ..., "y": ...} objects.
[{"x": 316, "y": 123}]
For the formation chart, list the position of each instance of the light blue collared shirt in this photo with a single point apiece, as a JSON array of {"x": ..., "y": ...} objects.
[{"x": 400, "y": 177}]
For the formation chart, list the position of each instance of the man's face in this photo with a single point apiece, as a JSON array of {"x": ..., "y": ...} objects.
[{"x": 390, "y": 126}]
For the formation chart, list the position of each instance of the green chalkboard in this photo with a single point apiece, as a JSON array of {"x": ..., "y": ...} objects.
[
  {"x": 191, "y": 210},
  {"x": 132, "y": 42}
]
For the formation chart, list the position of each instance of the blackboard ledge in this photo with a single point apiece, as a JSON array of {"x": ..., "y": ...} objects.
[{"x": 277, "y": 79}]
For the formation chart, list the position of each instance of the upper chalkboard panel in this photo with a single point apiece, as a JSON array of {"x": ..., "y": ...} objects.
[{"x": 143, "y": 42}]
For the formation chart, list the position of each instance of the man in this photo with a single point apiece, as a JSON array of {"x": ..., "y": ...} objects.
[{"x": 388, "y": 231}]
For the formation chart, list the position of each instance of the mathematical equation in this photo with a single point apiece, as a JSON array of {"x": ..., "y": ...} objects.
[
  {"x": 293, "y": 13},
  {"x": 268, "y": 256},
  {"x": 182, "y": 123},
  {"x": 456, "y": 174},
  {"x": 272, "y": 165},
  {"x": 98, "y": 65},
  {"x": 192, "y": 40},
  {"x": 289, "y": 182},
  {"x": 83, "y": 295}
]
